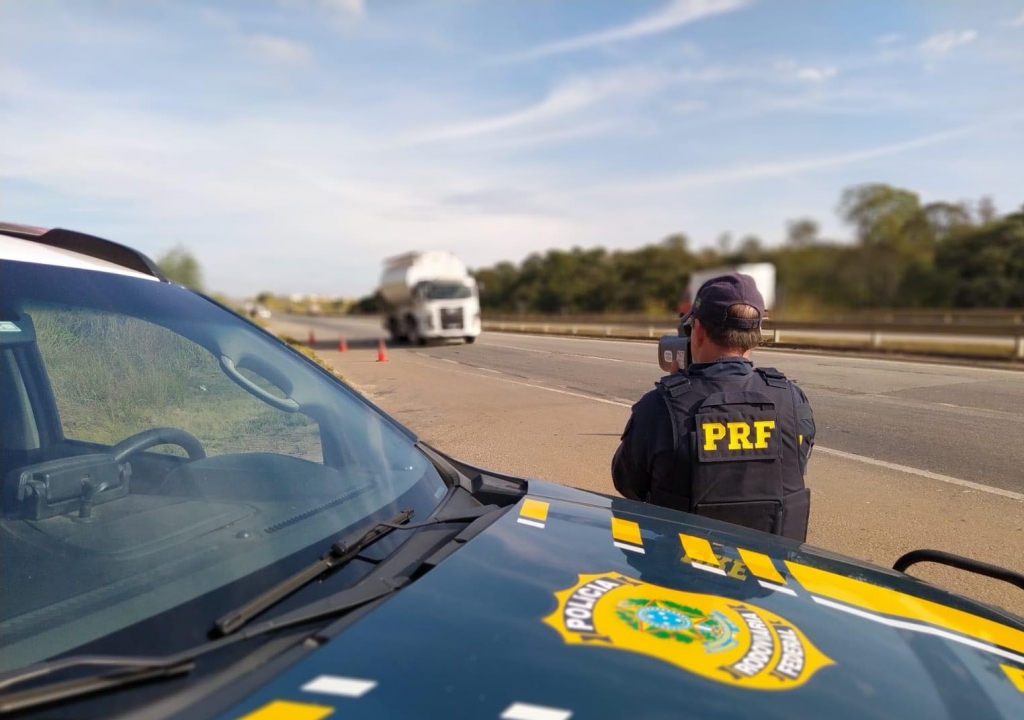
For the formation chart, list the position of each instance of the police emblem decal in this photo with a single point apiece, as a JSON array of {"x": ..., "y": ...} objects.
[{"x": 724, "y": 640}]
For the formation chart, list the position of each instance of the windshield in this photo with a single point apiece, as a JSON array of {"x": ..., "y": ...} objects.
[
  {"x": 160, "y": 454},
  {"x": 447, "y": 291}
]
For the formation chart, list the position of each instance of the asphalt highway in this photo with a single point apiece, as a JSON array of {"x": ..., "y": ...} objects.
[
  {"x": 956, "y": 421},
  {"x": 909, "y": 454}
]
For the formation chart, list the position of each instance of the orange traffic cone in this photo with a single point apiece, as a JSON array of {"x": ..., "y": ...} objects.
[
  {"x": 382, "y": 354},
  {"x": 312, "y": 338},
  {"x": 342, "y": 344}
]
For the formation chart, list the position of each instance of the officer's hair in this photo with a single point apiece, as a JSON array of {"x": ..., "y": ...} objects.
[{"x": 733, "y": 338}]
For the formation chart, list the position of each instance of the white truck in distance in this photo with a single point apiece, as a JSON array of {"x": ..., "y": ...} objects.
[{"x": 429, "y": 295}]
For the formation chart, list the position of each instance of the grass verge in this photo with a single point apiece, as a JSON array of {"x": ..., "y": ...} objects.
[
  {"x": 308, "y": 352},
  {"x": 113, "y": 376}
]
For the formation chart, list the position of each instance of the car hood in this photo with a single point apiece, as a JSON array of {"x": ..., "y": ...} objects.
[{"x": 578, "y": 605}]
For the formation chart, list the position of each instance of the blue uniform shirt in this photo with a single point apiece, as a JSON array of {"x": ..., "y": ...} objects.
[{"x": 647, "y": 449}]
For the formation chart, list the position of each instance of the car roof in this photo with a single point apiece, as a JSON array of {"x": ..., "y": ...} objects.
[{"x": 65, "y": 248}]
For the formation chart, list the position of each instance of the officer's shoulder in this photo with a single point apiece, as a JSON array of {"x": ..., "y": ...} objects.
[
  {"x": 675, "y": 384},
  {"x": 650, "y": 408},
  {"x": 773, "y": 376}
]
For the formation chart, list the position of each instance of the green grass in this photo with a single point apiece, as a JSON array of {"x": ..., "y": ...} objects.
[
  {"x": 921, "y": 347},
  {"x": 114, "y": 376},
  {"x": 308, "y": 352}
]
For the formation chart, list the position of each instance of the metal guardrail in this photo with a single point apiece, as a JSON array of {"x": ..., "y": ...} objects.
[
  {"x": 1004, "y": 339},
  {"x": 993, "y": 334},
  {"x": 917, "y": 317}
]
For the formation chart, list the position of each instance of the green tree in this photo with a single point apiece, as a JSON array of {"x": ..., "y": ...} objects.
[
  {"x": 802, "y": 233},
  {"x": 880, "y": 213},
  {"x": 985, "y": 268},
  {"x": 181, "y": 266},
  {"x": 907, "y": 254},
  {"x": 986, "y": 211},
  {"x": 893, "y": 234},
  {"x": 751, "y": 248}
]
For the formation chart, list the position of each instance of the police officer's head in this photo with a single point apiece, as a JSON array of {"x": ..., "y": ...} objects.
[{"x": 725, "y": 319}]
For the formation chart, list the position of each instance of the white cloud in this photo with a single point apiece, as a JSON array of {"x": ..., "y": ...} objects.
[
  {"x": 1017, "y": 21},
  {"x": 888, "y": 39},
  {"x": 759, "y": 171},
  {"x": 817, "y": 74},
  {"x": 342, "y": 9},
  {"x": 688, "y": 107},
  {"x": 278, "y": 50},
  {"x": 676, "y": 14},
  {"x": 288, "y": 188},
  {"x": 356, "y": 8},
  {"x": 564, "y": 100},
  {"x": 946, "y": 41}
]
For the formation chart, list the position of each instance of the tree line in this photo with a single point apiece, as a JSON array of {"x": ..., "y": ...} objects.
[{"x": 906, "y": 254}]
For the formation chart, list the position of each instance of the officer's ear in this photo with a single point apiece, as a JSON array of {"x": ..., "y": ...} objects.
[{"x": 697, "y": 333}]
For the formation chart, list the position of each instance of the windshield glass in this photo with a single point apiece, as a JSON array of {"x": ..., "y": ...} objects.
[
  {"x": 160, "y": 452},
  {"x": 447, "y": 291}
]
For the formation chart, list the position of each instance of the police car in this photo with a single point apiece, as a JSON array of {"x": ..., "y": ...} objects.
[{"x": 198, "y": 522}]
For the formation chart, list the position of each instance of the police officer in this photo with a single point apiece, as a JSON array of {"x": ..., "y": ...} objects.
[{"x": 721, "y": 438}]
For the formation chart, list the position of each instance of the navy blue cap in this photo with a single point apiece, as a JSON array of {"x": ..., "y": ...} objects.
[{"x": 718, "y": 294}]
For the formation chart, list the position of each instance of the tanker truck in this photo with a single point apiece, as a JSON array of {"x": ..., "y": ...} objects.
[{"x": 429, "y": 295}]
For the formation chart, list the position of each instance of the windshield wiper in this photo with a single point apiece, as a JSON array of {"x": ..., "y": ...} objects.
[
  {"x": 340, "y": 554},
  {"x": 129, "y": 671}
]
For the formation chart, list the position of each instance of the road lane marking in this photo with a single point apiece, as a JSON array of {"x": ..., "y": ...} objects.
[
  {"x": 340, "y": 686},
  {"x": 545, "y": 388},
  {"x": 819, "y": 448},
  {"x": 567, "y": 354},
  {"x": 922, "y": 473},
  {"x": 936, "y": 366}
]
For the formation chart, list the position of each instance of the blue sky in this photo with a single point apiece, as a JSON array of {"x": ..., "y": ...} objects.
[{"x": 292, "y": 144}]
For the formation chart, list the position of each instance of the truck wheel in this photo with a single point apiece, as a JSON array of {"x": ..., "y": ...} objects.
[
  {"x": 470, "y": 339},
  {"x": 412, "y": 334},
  {"x": 396, "y": 336}
]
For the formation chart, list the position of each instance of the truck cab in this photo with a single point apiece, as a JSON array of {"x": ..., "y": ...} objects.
[{"x": 430, "y": 296}]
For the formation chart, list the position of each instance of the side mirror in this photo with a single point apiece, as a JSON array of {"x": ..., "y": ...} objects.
[{"x": 673, "y": 352}]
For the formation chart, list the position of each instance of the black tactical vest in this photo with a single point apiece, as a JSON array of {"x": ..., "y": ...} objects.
[{"x": 737, "y": 451}]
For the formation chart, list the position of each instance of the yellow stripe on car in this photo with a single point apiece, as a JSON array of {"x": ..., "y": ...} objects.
[
  {"x": 1016, "y": 676},
  {"x": 698, "y": 549},
  {"x": 878, "y": 599},
  {"x": 534, "y": 510},
  {"x": 626, "y": 531},
  {"x": 288, "y": 710},
  {"x": 761, "y": 566}
]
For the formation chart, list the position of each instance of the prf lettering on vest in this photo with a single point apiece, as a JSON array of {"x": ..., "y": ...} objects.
[{"x": 739, "y": 434}]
